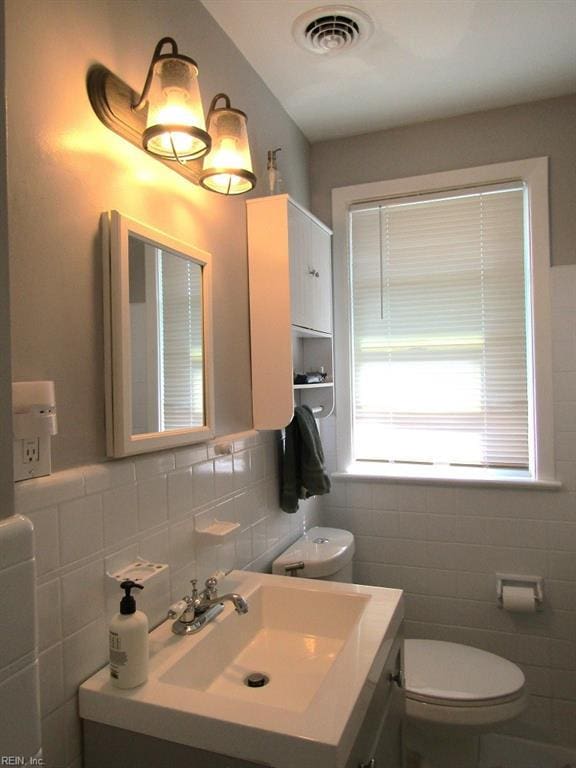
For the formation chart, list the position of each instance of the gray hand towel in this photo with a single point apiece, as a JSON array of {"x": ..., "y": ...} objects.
[{"x": 303, "y": 473}]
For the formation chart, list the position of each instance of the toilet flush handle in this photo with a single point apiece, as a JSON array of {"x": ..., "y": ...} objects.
[
  {"x": 293, "y": 568},
  {"x": 397, "y": 677}
]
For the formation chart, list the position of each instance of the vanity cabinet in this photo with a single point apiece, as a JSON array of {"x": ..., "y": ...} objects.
[{"x": 290, "y": 271}]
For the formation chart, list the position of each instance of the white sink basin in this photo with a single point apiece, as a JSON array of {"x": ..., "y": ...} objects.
[
  {"x": 321, "y": 644},
  {"x": 291, "y": 635}
]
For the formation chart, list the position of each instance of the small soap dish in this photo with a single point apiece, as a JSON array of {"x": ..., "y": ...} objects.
[
  {"x": 218, "y": 529},
  {"x": 138, "y": 571}
]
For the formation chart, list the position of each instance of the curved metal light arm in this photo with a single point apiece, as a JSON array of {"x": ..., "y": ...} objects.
[
  {"x": 214, "y": 101},
  {"x": 155, "y": 57}
]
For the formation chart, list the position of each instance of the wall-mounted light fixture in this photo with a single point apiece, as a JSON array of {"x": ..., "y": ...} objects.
[
  {"x": 167, "y": 121},
  {"x": 228, "y": 166}
]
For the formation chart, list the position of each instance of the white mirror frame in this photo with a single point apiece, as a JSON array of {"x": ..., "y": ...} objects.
[{"x": 117, "y": 343}]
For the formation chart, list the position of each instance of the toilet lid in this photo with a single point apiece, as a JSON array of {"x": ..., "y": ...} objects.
[{"x": 458, "y": 673}]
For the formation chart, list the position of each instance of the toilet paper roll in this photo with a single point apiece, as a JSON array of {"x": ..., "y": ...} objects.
[{"x": 519, "y": 599}]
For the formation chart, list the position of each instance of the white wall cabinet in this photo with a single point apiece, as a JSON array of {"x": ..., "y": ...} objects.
[
  {"x": 290, "y": 271},
  {"x": 310, "y": 271}
]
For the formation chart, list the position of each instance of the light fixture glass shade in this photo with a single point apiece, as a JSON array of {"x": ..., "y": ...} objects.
[
  {"x": 175, "y": 125},
  {"x": 228, "y": 166}
]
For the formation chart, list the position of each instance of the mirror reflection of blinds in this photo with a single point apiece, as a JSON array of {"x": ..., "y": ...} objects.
[
  {"x": 180, "y": 343},
  {"x": 439, "y": 329}
]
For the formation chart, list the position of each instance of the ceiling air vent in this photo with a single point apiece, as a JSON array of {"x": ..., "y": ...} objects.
[{"x": 332, "y": 29}]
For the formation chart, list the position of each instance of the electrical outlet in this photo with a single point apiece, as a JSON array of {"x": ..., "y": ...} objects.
[{"x": 31, "y": 451}]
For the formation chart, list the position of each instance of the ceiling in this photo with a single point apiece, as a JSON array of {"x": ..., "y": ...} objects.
[{"x": 425, "y": 59}]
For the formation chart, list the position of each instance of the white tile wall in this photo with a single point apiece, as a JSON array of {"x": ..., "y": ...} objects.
[
  {"x": 97, "y": 518},
  {"x": 443, "y": 545},
  {"x": 19, "y": 704}
]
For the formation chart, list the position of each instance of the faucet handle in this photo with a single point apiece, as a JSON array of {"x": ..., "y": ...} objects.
[{"x": 211, "y": 585}]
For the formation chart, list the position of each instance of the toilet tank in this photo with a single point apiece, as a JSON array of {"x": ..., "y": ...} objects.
[{"x": 326, "y": 553}]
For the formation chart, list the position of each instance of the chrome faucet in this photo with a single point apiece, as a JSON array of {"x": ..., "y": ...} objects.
[{"x": 196, "y": 610}]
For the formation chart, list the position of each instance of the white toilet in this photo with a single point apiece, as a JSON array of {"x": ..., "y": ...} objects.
[{"x": 453, "y": 692}]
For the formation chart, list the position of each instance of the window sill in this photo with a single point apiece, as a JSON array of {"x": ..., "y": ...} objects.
[{"x": 364, "y": 470}]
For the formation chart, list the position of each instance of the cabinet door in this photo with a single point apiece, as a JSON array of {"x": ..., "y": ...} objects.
[
  {"x": 320, "y": 273},
  {"x": 301, "y": 283}
]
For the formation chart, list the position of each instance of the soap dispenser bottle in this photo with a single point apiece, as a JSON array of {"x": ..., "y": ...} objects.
[{"x": 128, "y": 637}]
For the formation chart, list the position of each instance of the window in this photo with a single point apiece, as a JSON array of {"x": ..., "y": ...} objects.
[{"x": 445, "y": 282}]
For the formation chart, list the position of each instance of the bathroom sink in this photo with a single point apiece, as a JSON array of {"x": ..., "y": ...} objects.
[
  {"x": 319, "y": 648},
  {"x": 290, "y": 635}
]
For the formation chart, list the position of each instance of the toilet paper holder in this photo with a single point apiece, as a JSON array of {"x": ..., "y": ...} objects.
[{"x": 535, "y": 583}]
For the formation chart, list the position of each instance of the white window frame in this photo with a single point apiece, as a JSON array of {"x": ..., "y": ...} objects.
[{"x": 534, "y": 174}]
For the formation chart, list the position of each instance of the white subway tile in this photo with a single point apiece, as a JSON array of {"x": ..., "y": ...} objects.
[
  {"x": 203, "y": 478},
  {"x": 244, "y": 554},
  {"x": 564, "y": 684},
  {"x": 509, "y": 560},
  {"x": 562, "y": 654},
  {"x": 565, "y": 446},
  {"x": 385, "y": 496},
  {"x": 46, "y": 539},
  {"x": 81, "y": 528},
  {"x": 562, "y": 536},
  {"x": 54, "y": 739},
  {"x": 516, "y": 533},
  {"x": 562, "y": 566},
  {"x": 194, "y": 454},
  {"x": 16, "y": 540},
  {"x": 411, "y": 498},
  {"x": 120, "y": 514},
  {"x": 180, "y": 581},
  {"x": 182, "y": 544},
  {"x": 85, "y": 653},
  {"x": 442, "y": 500},
  {"x": 411, "y": 525},
  {"x": 564, "y": 717},
  {"x": 47, "y": 491},
  {"x": 82, "y": 596},
  {"x": 359, "y": 495},
  {"x": 259, "y": 538},
  {"x": 156, "y": 464},
  {"x": 563, "y": 355},
  {"x": 20, "y": 724},
  {"x": 101, "y": 477},
  {"x": 49, "y": 613},
  {"x": 566, "y": 474},
  {"x": 51, "y": 673},
  {"x": 476, "y": 586},
  {"x": 180, "y": 493},
  {"x": 563, "y": 287},
  {"x": 73, "y": 730},
  {"x": 224, "y": 476},
  {"x": 257, "y": 463},
  {"x": 361, "y": 522},
  {"x": 242, "y": 472},
  {"x": 156, "y": 546},
  {"x": 17, "y": 612},
  {"x": 564, "y": 384},
  {"x": 152, "y": 502}
]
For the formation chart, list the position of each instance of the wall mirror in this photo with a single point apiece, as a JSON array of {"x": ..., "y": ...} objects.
[{"x": 158, "y": 339}]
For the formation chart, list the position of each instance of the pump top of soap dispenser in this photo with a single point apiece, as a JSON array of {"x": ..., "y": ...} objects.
[{"x": 128, "y": 603}]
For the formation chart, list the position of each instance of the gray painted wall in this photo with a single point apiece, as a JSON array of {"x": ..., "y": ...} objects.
[
  {"x": 6, "y": 484},
  {"x": 517, "y": 132},
  {"x": 66, "y": 168}
]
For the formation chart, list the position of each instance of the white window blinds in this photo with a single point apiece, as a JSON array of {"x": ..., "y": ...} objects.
[
  {"x": 439, "y": 329},
  {"x": 180, "y": 342}
]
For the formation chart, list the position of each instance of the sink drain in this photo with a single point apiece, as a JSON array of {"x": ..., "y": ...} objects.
[{"x": 256, "y": 680}]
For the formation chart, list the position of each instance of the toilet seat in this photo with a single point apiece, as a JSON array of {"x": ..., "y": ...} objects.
[{"x": 457, "y": 684}]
